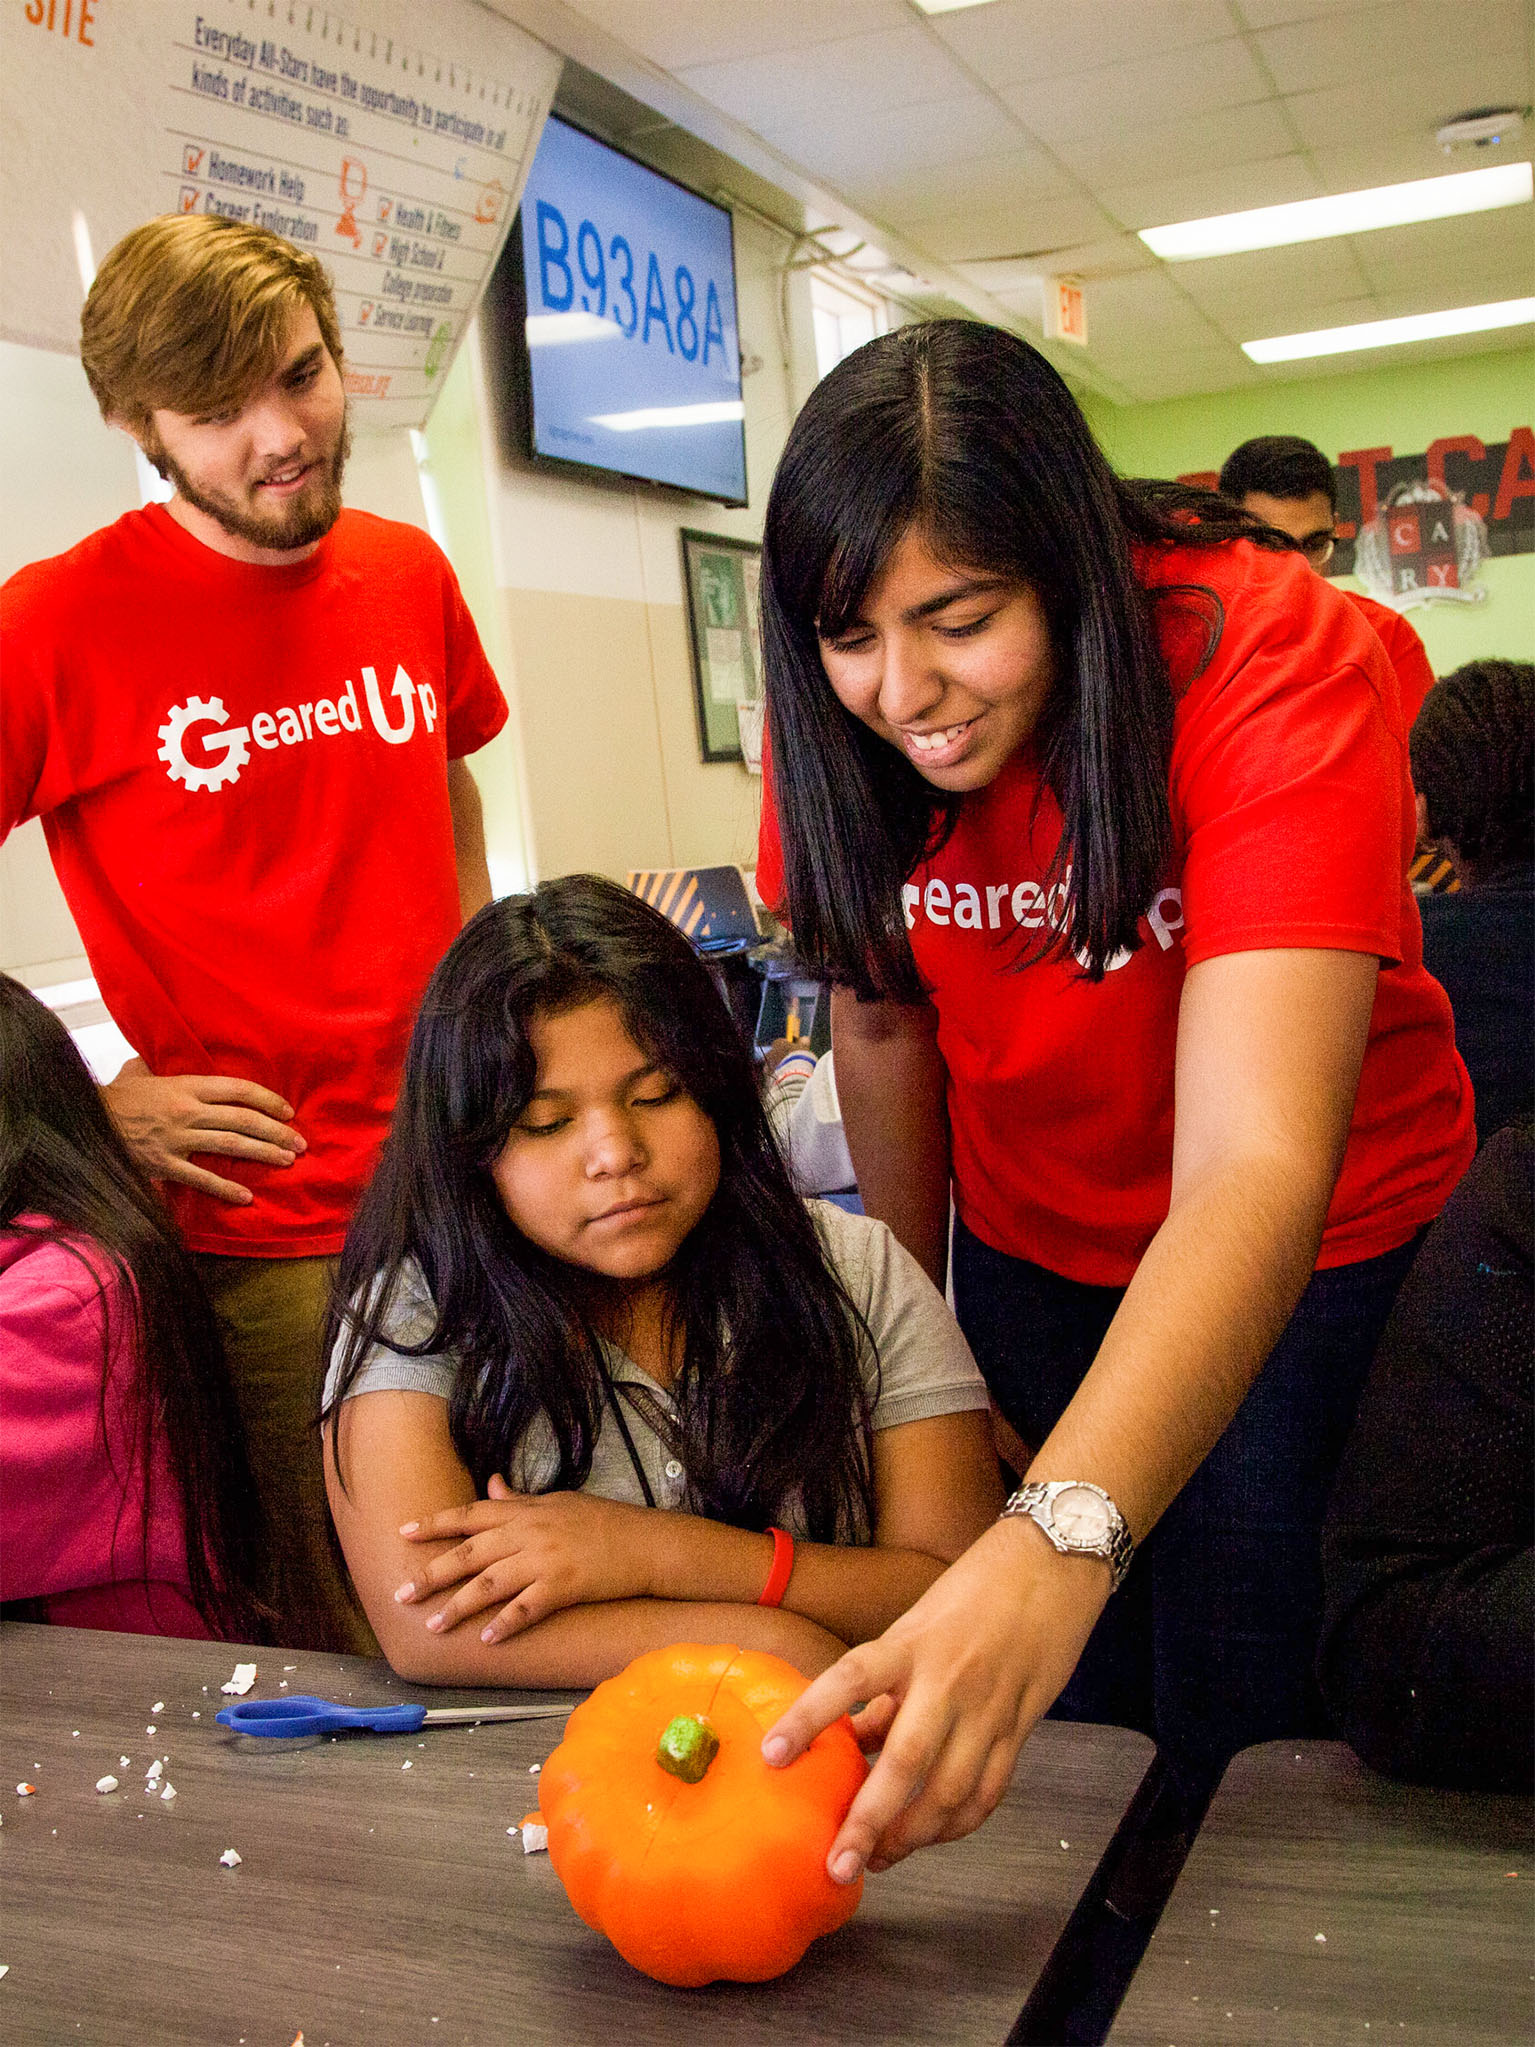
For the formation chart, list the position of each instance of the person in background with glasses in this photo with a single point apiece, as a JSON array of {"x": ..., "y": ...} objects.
[{"x": 1289, "y": 483}]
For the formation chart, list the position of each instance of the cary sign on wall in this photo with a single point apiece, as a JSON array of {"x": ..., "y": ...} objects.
[{"x": 392, "y": 140}]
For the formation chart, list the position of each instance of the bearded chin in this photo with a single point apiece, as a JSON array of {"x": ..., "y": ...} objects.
[{"x": 297, "y": 525}]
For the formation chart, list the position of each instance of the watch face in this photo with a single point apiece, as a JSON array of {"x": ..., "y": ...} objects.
[{"x": 1081, "y": 1517}]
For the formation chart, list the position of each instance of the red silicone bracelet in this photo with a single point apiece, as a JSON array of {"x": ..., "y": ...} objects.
[{"x": 783, "y": 1564}]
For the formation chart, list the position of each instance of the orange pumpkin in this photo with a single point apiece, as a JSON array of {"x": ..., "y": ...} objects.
[{"x": 701, "y": 1862}]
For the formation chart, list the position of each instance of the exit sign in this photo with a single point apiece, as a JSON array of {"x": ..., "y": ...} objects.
[{"x": 1065, "y": 310}]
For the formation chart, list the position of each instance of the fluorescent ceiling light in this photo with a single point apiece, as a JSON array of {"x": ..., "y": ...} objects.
[
  {"x": 1348, "y": 213},
  {"x": 68, "y": 994},
  {"x": 1388, "y": 333},
  {"x": 671, "y": 415},
  {"x": 553, "y": 330},
  {"x": 949, "y": 6}
]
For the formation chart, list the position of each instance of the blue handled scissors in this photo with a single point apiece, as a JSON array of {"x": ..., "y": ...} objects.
[{"x": 303, "y": 1715}]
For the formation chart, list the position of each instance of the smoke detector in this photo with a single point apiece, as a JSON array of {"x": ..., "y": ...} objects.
[{"x": 1481, "y": 128}]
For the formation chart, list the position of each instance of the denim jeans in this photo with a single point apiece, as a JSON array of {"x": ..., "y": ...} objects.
[{"x": 1209, "y": 1644}]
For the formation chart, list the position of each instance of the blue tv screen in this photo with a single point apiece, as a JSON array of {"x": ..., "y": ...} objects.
[{"x": 633, "y": 352}]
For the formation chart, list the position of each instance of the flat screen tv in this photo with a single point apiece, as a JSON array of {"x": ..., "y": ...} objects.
[{"x": 628, "y": 303}]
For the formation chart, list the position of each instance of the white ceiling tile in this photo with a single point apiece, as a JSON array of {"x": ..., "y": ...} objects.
[
  {"x": 1036, "y": 227},
  {"x": 901, "y": 142},
  {"x": 1260, "y": 323},
  {"x": 1408, "y": 35},
  {"x": 1145, "y": 149},
  {"x": 1196, "y": 194},
  {"x": 1013, "y": 176},
  {"x": 677, "y": 33},
  {"x": 1273, "y": 279},
  {"x": 1406, "y": 102},
  {"x": 1021, "y": 40},
  {"x": 843, "y": 80},
  {"x": 1156, "y": 91},
  {"x": 1145, "y": 310},
  {"x": 1186, "y": 374},
  {"x": 1271, "y": 13},
  {"x": 1395, "y": 158},
  {"x": 1117, "y": 257}
]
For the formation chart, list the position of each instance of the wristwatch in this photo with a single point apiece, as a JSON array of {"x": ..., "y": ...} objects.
[{"x": 1080, "y": 1519}]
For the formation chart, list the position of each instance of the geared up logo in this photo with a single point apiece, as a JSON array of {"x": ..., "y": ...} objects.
[
  {"x": 221, "y": 750},
  {"x": 1030, "y": 906}
]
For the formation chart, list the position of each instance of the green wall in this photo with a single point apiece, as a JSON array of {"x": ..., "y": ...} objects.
[{"x": 1403, "y": 408}]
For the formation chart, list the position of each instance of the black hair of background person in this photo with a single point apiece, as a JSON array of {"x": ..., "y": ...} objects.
[
  {"x": 967, "y": 435},
  {"x": 1281, "y": 466},
  {"x": 61, "y": 1157},
  {"x": 770, "y": 1395},
  {"x": 1473, "y": 762},
  {"x": 1428, "y": 1646}
]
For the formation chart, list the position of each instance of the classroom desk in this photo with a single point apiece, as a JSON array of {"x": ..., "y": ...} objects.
[
  {"x": 377, "y": 1905},
  {"x": 1427, "y": 1940}
]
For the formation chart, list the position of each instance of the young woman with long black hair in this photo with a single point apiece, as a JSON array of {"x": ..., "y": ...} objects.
[
  {"x": 1094, "y": 802},
  {"x": 600, "y": 1380},
  {"x": 125, "y": 1497}
]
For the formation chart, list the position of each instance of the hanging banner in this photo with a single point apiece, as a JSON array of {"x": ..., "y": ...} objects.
[
  {"x": 392, "y": 140},
  {"x": 1488, "y": 485}
]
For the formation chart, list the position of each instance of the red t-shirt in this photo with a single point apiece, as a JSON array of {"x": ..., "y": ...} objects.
[
  {"x": 241, "y": 772},
  {"x": 1292, "y": 823},
  {"x": 1409, "y": 656}
]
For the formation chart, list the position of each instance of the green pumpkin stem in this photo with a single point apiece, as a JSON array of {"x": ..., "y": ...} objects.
[{"x": 688, "y": 1747}]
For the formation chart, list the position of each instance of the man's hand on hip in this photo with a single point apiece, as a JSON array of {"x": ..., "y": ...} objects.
[{"x": 164, "y": 1122}]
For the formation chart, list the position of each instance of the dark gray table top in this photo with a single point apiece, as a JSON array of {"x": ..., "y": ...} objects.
[
  {"x": 1321, "y": 1903},
  {"x": 377, "y": 1906}
]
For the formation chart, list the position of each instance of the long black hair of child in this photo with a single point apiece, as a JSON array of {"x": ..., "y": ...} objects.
[
  {"x": 965, "y": 434},
  {"x": 62, "y": 1160},
  {"x": 772, "y": 1406}
]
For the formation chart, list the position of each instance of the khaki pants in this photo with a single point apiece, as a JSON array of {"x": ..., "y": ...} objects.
[{"x": 271, "y": 1314}]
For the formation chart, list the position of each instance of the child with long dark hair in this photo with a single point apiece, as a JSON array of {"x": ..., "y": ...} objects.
[
  {"x": 1094, "y": 802},
  {"x": 600, "y": 1380},
  {"x": 125, "y": 1497}
]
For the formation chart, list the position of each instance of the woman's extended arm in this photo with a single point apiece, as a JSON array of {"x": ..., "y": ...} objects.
[
  {"x": 891, "y": 1082},
  {"x": 1270, "y": 1046},
  {"x": 399, "y": 1458}
]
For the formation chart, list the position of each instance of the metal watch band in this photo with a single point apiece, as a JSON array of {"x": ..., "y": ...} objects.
[{"x": 1036, "y": 1500}]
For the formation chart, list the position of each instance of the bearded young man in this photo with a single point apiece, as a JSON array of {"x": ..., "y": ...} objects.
[{"x": 242, "y": 717}]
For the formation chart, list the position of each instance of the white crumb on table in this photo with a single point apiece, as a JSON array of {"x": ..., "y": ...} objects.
[
  {"x": 244, "y": 1677},
  {"x": 105, "y": 1784},
  {"x": 168, "y": 1793},
  {"x": 534, "y": 1768},
  {"x": 535, "y": 1838},
  {"x": 406, "y": 1764},
  {"x": 158, "y": 1706},
  {"x": 150, "y": 1728},
  {"x": 152, "y": 1774},
  {"x": 231, "y": 1858},
  {"x": 26, "y": 1790}
]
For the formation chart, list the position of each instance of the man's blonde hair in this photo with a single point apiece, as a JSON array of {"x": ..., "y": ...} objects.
[{"x": 189, "y": 314}]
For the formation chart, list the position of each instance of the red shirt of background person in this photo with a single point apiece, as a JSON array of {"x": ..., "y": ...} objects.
[
  {"x": 126, "y": 1500},
  {"x": 963, "y": 611},
  {"x": 241, "y": 717},
  {"x": 1289, "y": 483}
]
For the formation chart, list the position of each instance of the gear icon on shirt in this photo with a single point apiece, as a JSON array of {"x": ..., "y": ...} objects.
[{"x": 202, "y": 711}]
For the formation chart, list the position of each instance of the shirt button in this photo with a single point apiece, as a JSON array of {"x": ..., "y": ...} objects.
[{"x": 673, "y": 1468}]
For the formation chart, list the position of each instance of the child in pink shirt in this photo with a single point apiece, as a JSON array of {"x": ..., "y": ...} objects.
[{"x": 125, "y": 1498}]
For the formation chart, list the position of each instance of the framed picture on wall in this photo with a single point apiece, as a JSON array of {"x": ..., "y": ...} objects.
[{"x": 723, "y": 579}]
